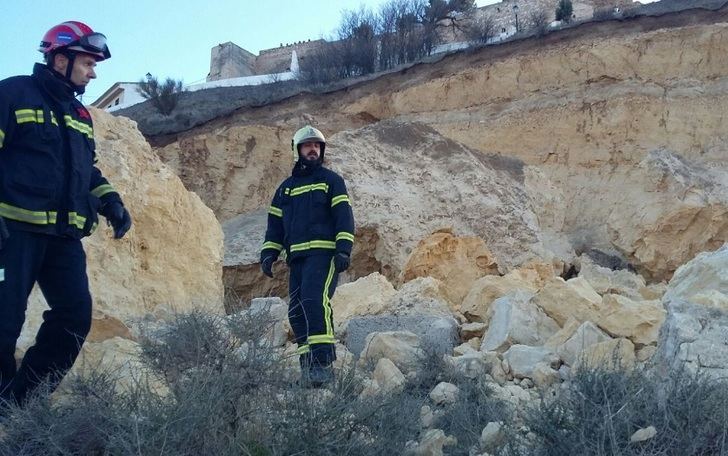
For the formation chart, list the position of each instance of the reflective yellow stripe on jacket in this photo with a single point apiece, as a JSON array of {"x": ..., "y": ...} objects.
[
  {"x": 313, "y": 245},
  {"x": 308, "y": 188},
  {"x": 275, "y": 211},
  {"x": 345, "y": 236},
  {"x": 32, "y": 115},
  {"x": 2, "y": 138},
  {"x": 102, "y": 190},
  {"x": 24, "y": 215},
  {"x": 79, "y": 126},
  {"x": 339, "y": 199},
  {"x": 272, "y": 245}
]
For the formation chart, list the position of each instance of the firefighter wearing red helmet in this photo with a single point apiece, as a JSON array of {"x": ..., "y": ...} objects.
[{"x": 50, "y": 197}]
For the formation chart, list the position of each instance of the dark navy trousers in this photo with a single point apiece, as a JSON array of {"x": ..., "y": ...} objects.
[
  {"x": 58, "y": 265},
  {"x": 311, "y": 286}
]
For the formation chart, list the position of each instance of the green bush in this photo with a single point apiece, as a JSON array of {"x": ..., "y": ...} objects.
[{"x": 164, "y": 96}]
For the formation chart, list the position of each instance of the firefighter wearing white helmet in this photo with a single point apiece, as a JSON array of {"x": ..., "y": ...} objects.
[{"x": 310, "y": 219}]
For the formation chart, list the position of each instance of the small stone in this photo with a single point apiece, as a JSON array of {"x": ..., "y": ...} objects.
[
  {"x": 492, "y": 436},
  {"x": 643, "y": 434}
]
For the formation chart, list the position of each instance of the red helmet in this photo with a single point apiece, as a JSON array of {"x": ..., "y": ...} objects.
[{"x": 75, "y": 36}]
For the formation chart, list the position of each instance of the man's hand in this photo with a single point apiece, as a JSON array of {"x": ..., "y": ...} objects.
[
  {"x": 341, "y": 262},
  {"x": 118, "y": 217},
  {"x": 4, "y": 234},
  {"x": 266, "y": 265}
]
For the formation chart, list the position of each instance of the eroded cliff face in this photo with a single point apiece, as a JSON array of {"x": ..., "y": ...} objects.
[{"x": 584, "y": 110}]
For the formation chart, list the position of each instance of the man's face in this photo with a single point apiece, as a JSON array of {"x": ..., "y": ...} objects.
[
  {"x": 310, "y": 150},
  {"x": 83, "y": 70}
]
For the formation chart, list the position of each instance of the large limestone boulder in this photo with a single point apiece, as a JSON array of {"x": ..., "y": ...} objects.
[
  {"x": 456, "y": 261},
  {"x": 575, "y": 298},
  {"x": 370, "y": 295},
  {"x": 403, "y": 348},
  {"x": 516, "y": 320},
  {"x": 586, "y": 335},
  {"x": 675, "y": 208},
  {"x": 419, "y": 307},
  {"x": 695, "y": 332},
  {"x": 616, "y": 281},
  {"x": 477, "y": 303},
  {"x": 171, "y": 259},
  {"x": 638, "y": 321},
  {"x": 704, "y": 280},
  {"x": 483, "y": 196}
]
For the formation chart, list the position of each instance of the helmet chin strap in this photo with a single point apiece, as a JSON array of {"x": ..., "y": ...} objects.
[{"x": 71, "y": 56}]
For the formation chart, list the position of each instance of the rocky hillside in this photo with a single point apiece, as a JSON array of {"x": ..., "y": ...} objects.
[{"x": 617, "y": 129}]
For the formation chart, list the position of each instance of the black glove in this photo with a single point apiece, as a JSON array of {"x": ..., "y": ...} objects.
[
  {"x": 341, "y": 262},
  {"x": 4, "y": 234},
  {"x": 118, "y": 217},
  {"x": 266, "y": 265}
]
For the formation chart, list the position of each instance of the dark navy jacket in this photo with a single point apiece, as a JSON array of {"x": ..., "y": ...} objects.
[
  {"x": 310, "y": 215},
  {"x": 48, "y": 181}
]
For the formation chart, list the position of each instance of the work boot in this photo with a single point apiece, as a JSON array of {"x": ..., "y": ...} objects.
[{"x": 316, "y": 376}]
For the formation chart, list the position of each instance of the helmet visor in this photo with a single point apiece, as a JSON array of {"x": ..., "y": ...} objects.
[{"x": 93, "y": 42}]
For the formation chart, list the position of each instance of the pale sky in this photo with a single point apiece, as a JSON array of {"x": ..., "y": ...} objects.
[{"x": 167, "y": 37}]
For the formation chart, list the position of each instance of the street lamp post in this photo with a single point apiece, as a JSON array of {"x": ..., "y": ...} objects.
[{"x": 515, "y": 11}]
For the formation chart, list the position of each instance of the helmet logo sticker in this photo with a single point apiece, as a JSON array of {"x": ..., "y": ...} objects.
[{"x": 65, "y": 37}]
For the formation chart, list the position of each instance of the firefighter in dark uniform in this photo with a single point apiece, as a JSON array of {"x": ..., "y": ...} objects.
[
  {"x": 50, "y": 195},
  {"x": 310, "y": 219}
]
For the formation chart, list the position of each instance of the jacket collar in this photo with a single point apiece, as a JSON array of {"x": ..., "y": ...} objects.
[{"x": 53, "y": 83}]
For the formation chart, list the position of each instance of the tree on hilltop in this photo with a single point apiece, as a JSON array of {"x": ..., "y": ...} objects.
[{"x": 564, "y": 11}]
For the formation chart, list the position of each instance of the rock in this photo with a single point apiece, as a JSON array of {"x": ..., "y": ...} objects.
[
  {"x": 694, "y": 337},
  {"x": 403, "y": 348},
  {"x": 120, "y": 358},
  {"x": 475, "y": 365},
  {"x": 386, "y": 379},
  {"x": 609, "y": 281},
  {"x": 613, "y": 354},
  {"x": 370, "y": 295},
  {"x": 456, "y": 261},
  {"x": 516, "y": 320},
  {"x": 643, "y": 434},
  {"x": 563, "y": 334},
  {"x": 646, "y": 353},
  {"x": 477, "y": 303},
  {"x": 147, "y": 273},
  {"x": 544, "y": 376},
  {"x": 639, "y": 321},
  {"x": 437, "y": 334},
  {"x": 675, "y": 209},
  {"x": 444, "y": 393},
  {"x": 522, "y": 359},
  {"x": 464, "y": 349},
  {"x": 484, "y": 197},
  {"x": 695, "y": 332},
  {"x": 423, "y": 295},
  {"x": 585, "y": 336},
  {"x": 471, "y": 330},
  {"x": 427, "y": 417},
  {"x": 431, "y": 444},
  {"x": 574, "y": 298},
  {"x": 492, "y": 437},
  {"x": 272, "y": 315},
  {"x": 703, "y": 280}
]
